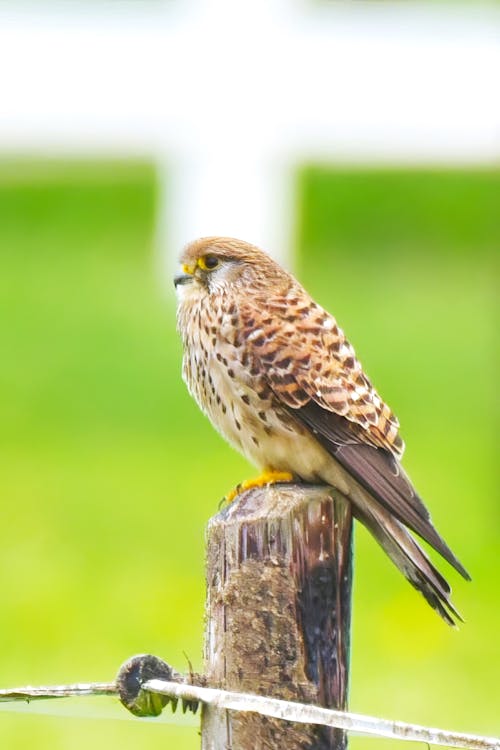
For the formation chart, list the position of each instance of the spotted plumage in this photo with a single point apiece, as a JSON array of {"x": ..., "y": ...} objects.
[{"x": 277, "y": 377}]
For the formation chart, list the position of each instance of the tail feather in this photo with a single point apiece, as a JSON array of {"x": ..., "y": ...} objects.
[
  {"x": 378, "y": 471},
  {"x": 407, "y": 555}
]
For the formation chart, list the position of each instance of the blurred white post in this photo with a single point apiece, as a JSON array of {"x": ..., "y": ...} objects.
[
  {"x": 229, "y": 97},
  {"x": 247, "y": 195}
]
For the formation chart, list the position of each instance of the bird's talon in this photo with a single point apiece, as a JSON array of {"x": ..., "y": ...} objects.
[{"x": 264, "y": 480}]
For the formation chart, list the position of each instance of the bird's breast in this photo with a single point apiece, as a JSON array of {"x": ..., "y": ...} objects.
[{"x": 233, "y": 392}]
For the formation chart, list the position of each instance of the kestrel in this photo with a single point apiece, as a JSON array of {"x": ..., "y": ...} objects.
[{"x": 277, "y": 377}]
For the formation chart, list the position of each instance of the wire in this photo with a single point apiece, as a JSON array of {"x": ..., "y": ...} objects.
[
  {"x": 280, "y": 709},
  {"x": 309, "y": 714}
]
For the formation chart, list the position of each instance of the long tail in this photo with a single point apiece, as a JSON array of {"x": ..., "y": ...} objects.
[{"x": 406, "y": 554}]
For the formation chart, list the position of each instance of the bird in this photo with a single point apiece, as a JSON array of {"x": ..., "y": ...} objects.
[{"x": 277, "y": 377}]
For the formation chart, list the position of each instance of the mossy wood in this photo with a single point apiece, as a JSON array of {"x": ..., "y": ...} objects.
[{"x": 278, "y": 613}]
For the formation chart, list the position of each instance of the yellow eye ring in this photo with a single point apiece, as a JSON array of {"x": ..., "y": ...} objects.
[{"x": 208, "y": 262}]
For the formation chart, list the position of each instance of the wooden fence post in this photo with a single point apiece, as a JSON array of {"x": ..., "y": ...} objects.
[{"x": 278, "y": 611}]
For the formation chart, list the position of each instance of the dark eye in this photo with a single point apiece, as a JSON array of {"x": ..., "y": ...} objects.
[{"x": 208, "y": 262}]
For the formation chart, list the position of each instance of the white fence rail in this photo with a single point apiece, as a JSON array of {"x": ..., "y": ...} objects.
[{"x": 229, "y": 97}]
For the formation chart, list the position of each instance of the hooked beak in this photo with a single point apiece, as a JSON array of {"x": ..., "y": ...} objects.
[{"x": 184, "y": 278}]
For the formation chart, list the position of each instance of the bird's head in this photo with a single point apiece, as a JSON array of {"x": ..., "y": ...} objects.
[{"x": 214, "y": 265}]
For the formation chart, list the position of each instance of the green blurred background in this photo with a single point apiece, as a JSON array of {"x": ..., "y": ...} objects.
[{"x": 109, "y": 472}]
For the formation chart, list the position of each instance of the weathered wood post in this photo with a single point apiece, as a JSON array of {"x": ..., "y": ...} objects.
[{"x": 278, "y": 611}]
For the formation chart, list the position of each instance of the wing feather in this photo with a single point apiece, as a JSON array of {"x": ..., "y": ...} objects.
[
  {"x": 379, "y": 472},
  {"x": 307, "y": 357},
  {"x": 312, "y": 369}
]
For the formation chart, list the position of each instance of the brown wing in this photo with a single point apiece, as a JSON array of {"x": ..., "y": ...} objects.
[
  {"x": 307, "y": 358},
  {"x": 313, "y": 370}
]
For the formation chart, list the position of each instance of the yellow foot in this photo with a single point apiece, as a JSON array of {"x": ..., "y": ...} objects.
[{"x": 266, "y": 478}]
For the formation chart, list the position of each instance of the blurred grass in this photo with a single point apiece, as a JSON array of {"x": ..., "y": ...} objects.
[{"x": 109, "y": 472}]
